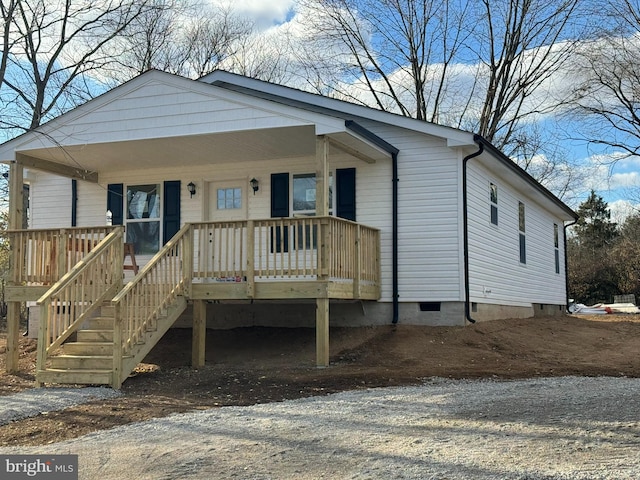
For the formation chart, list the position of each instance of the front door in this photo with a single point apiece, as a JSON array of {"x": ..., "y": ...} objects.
[{"x": 225, "y": 255}]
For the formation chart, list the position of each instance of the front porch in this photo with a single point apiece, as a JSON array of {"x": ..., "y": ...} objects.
[{"x": 76, "y": 276}]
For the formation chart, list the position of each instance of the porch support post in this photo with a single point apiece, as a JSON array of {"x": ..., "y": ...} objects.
[
  {"x": 322, "y": 332},
  {"x": 199, "y": 334},
  {"x": 322, "y": 210},
  {"x": 16, "y": 209}
]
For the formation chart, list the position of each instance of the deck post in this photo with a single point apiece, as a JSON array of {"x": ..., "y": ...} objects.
[
  {"x": 116, "y": 372},
  {"x": 251, "y": 261},
  {"x": 199, "y": 334},
  {"x": 322, "y": 332},
  {"x": 16, "y": 209},
  {"x": 357, "y": 263},
  {"x": 322, "y": 210}
]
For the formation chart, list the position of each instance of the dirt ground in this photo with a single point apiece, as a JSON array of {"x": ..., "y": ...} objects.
[{"x": 257, "y": 365}]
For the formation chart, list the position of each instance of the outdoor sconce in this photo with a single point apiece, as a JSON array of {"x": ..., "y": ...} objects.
[
  {"x": 192, "y": 188},
  {"x": 254, "y": 184}
]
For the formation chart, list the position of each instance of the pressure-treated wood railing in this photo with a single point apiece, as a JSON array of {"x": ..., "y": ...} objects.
[
  {"x": 143, "y": 300},
  {"x": 81, "y": 291},
  {"x": 286, "y": 248},
  {"x": 42, "y": 256}
]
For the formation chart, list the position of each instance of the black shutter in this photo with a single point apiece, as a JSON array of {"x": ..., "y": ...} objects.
[
  {"x": 346, "y": 193},
  {"x": 279, "y": 195},
  {"x": 115, "y": 203},
  {"x": 280, "y": 208},
  {"x": 74, "y": 202},
  {"x": 171, "y": 220}
]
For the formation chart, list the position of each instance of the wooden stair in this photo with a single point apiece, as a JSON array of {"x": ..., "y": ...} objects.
[{"x": 88, "y": 359}]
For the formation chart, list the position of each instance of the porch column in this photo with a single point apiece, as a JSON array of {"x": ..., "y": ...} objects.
[
  {"x": 199, "y": 334},
  {"x": 322, "y": 210},
  {"x": 16, "y": 209}
]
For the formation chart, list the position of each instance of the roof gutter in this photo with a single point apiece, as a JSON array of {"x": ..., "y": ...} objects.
[
  {"x": 506, "y": 161},
  {"x": 465, "y": 221}
]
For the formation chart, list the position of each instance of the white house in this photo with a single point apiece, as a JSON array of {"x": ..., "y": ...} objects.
[{"x": 269, "y": 206}]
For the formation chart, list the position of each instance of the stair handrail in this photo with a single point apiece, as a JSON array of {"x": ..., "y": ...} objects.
[
  {"x": 79, "y": 292},
  {"x": 166, "y": 276}
]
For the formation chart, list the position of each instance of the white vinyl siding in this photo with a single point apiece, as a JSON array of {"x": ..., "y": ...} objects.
[
  {"x": 50, "y": 201},
  {"x": 429, "y": 228},
  {"x": 495, "y": 272}
]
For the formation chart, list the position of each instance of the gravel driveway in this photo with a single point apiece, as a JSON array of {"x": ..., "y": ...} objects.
[{"x": 558, "y": 428}]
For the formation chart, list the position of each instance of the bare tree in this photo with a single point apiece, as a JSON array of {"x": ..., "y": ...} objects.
[
  {"x": 60, "y": 43},
  {"x": 606, "y": 97},
  {"x": 397, "y": 51},
  {"x": 7, "y": 10},
  {"x": 185, "y": 38},
  {"x": 522, "y": 44}
]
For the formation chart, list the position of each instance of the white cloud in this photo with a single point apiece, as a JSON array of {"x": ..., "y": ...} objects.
[
  {"x": 621, "y": 209},
  {"x": 264, "y": 13},
  {"x": 625, "y": 180}
]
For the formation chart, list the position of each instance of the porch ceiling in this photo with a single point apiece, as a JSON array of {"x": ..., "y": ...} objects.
[
  {"x": 206, "y": 149},
  {"x": 183, "y": 150}
]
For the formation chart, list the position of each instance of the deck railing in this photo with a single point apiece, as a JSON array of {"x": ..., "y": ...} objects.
[
  {"x": 42, "y": 256},
  {"x": 71, "y": 300},
  {"x": 139, "y": 304},
  {"x": 286, "y": 248}
]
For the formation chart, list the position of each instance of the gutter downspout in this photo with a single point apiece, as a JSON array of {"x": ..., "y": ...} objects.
[
  {"x": 465, "y": 221},
  {"x": 394, "y": 240},
  {"x": 566, "y": 263}
]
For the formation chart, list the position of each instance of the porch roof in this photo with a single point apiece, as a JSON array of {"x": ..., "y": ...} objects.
[{"x": 160, "y": 120}]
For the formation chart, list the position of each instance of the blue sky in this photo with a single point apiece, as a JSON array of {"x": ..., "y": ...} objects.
[{"x": 618, "y": 182}]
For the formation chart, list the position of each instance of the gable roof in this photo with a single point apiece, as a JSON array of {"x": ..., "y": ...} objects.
[
  {"x": 322, "y": 104},
  {"x": 287, "y": 104}
]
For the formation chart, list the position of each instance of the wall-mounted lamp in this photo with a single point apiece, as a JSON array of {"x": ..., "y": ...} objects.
[
  {"x": 255, "y": 185},
  {"x": 192, "y": 189}
]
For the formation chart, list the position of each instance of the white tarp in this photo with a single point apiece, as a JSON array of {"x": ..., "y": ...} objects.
[{"x": 602, "y": 308}]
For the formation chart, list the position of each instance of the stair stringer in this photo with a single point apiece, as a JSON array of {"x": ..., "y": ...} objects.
[{"x": 150, "y": 339}]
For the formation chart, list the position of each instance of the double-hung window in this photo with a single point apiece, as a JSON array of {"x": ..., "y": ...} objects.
[
  {"x": 493, "y": 195},
  {"x": 522, "y": 237},
  {"x": 143, "y": 218},
  {"x": 556, "y": 245},
  {"x": 304, "y": 195}
]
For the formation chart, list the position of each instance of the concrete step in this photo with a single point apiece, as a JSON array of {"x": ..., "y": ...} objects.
[
  {"x": 88, "y": 348},
  {"x": 81, "y": 362},
  {"x": 97, "y": 335},
  {"x": 82, "y": 377}
]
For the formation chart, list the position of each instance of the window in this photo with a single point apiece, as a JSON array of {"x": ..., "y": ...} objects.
[
  {"x": 556, "y": 244},
  {"x": 229, "y": 198},
  {"x": 493, "y": 193},
  {"x": 143, "y": 218},
  {"x": 521, "y": 227},
  {"x": 304, "y": 194}
]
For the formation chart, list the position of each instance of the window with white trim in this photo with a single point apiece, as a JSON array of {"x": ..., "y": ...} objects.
[
  {"x": 493, "y": 196},
  {"x": 556, "y": 244},
  {"x": 304, "y": 194},
  {"x": 522, "y": 238},
  {"x": 143, "y": 218}
]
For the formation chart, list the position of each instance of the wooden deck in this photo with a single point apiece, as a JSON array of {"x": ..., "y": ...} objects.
[{"x": 76, "y": 273}]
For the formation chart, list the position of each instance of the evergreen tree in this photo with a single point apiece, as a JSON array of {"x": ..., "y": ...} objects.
[
  {"x": 593, "y": 277},
  {"x": 594, "y": 228}
]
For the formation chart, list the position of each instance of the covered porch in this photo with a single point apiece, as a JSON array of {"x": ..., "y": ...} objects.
[{"x": 319, "y": 257}]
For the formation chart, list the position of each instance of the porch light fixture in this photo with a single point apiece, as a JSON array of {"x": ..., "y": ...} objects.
[
  {"x": 255, "y": 185},
  {"x": 192, "y": 188}
]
